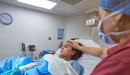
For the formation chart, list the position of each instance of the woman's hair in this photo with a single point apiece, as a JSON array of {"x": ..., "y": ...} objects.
[
  {"x": 125, "y": 22},
  {"x": 78, "y": 53}
]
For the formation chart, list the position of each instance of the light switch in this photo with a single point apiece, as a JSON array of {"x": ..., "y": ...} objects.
[{"x": 49, "y": 38}]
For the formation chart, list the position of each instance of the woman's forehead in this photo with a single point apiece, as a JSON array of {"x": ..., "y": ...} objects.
[{"x": 67, "y": 43}]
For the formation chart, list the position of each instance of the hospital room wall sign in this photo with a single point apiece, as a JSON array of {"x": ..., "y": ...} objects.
[{"x": 60, "y": 34}]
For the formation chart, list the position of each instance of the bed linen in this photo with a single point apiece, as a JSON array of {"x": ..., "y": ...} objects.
[{"x": 50, "y": 65}]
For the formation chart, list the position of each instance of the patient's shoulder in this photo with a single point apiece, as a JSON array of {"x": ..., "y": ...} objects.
[
  {"x": 78, "y": 68},
  {"x": 74, "y": 63}
]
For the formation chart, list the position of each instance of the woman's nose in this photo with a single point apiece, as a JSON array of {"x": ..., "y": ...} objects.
[{"x": 62, "y": 47}]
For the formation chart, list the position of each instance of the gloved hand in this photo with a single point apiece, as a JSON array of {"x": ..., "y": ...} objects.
[
  {"x": 74, "y": 44},
  {"x": 28, "y": 66}
]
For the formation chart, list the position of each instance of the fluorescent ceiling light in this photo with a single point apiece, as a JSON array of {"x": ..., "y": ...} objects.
[{"x": 40, "y": 3}]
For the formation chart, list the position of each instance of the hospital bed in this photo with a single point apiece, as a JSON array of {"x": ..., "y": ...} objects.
[{"x": 87, "y": 61}]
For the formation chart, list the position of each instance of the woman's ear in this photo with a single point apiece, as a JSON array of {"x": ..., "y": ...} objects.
[
  {"x": 118, "y": 17},
  {"x": 73, "y": 52}
]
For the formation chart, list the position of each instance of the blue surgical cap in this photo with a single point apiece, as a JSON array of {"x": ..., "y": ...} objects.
[{"x": 122, "y": 6}]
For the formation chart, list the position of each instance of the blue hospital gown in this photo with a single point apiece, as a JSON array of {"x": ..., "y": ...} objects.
[{"x": 78, "y": 68}]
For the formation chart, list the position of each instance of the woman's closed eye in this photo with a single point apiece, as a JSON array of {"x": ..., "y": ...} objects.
[{"x": 66, "y": 46}]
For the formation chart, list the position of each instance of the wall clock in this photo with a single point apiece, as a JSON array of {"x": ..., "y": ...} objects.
[{"x": 6, "y": 18}]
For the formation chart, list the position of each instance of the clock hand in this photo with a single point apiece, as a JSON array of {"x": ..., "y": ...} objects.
[{"x": 5, "y": 18}]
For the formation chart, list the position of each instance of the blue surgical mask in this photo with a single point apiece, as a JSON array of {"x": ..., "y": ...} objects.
[{"x": 104, "y": 37}]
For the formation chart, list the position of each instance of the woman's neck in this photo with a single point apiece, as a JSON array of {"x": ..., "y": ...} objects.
[
  {"x": 67, "y": 59},
  {"x": 122, "y": 40}
]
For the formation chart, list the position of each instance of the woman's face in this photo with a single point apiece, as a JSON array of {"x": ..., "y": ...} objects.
[
  {"x": 66, "y": 51},
  {"x": 107, "y": 25}
]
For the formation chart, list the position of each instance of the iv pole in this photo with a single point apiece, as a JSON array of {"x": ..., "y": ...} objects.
[{"x": 90, "y": 32}]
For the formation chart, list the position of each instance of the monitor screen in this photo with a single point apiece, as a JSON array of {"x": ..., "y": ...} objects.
[{"x": 32, "y": 48}]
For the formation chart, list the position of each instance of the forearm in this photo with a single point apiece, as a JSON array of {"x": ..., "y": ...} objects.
[{"x": 95, "y": 51}]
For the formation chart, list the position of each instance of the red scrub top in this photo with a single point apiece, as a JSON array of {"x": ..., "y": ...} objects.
[{"x": 117, "y": 62}]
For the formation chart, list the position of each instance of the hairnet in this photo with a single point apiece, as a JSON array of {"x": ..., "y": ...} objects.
[{"x": 122, "y": 6}]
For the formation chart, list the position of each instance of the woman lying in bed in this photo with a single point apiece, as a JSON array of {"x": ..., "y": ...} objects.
[
  {"x": 49, "y": 64},
  {"x": 71, "y": 55}
]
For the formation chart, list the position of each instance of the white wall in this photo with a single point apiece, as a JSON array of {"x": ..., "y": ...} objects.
[
  {"x": 30, "y": 27},
  {"x": 76, "y": 27}
]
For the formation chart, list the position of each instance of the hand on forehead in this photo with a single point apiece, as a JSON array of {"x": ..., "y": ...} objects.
[
  {"x": 71, "y": 41},
  {"x": 68, "y": 43}
]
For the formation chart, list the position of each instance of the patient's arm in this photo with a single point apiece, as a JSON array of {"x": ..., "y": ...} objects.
[
  {"x": 99, "y": 52},
  {"x": 29, "y": 66}
]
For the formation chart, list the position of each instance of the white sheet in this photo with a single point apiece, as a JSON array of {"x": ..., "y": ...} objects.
[{"x": 58, "y": 66}]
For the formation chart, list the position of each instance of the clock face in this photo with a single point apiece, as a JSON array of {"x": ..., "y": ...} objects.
[{"x": 6, "y": 18}]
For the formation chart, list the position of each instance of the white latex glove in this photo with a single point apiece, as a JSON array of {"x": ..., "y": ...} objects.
[{"x": 28, "y": 66}]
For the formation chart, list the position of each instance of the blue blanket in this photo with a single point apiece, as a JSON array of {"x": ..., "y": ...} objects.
[{"x": 11, "y": 63}]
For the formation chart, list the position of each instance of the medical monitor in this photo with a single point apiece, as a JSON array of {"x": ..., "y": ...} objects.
[{"x": 32, "y": 47}]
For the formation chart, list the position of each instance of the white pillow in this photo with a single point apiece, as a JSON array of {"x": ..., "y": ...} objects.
[
  {"x": 57, "y": 52},
  {"x": 87, "y": 42},
  {"x": 88, "y": 61}
]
